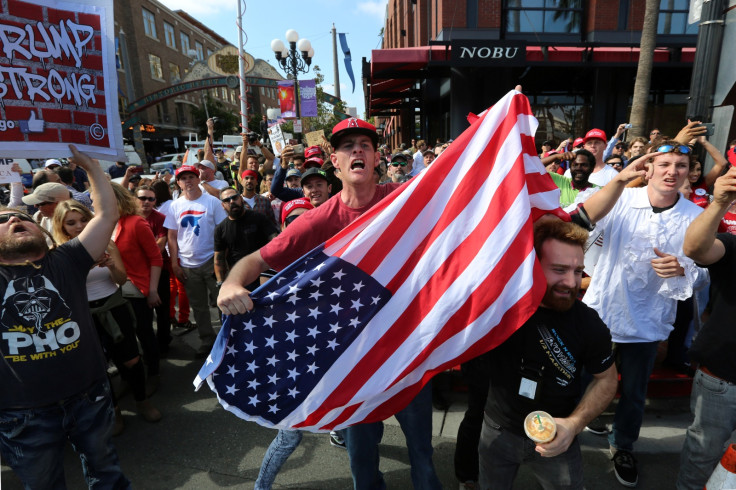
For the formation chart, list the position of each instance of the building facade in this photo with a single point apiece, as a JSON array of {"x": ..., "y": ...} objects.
[
  {"x": 161, "y": 46},
  {"x": 576, "y": 60}
]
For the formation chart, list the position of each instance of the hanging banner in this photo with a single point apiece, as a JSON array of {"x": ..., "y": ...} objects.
[
  {"x": 286, "y": 98},
  {"x": 58, "y": 82},
  {"x": 348, "y": 57},
  {"x": 307, "y": 98}
]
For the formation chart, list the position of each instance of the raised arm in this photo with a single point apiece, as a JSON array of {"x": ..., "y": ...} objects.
[
  {"x": 97, "y": 233},
  {"x": 701, "y": 243},
  {"x": 209, "y": 154},
  {"x": 719, "y": 161},
  {"x": 600, "y": 204}
]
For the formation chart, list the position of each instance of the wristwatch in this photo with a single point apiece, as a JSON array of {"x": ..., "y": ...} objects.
[{"x": 218, "y": 284}]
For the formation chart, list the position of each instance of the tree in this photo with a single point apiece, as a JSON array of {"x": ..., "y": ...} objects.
[
  {"x": 326, "y": 119},
  {"x": 644, "y": 71},
  {"x": 226, "y": 123}
]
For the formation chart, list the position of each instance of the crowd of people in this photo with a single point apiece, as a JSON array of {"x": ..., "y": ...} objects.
[{"x": 635, "y": 266}]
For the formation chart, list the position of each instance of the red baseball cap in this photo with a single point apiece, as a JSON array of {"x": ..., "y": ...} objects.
[
  {"x": 290, "y": 206},
  {"x": 595, "y": 134},
  {"x": 353, "y": 125},
  {"x": 186, "y": 168},
  {"x": 313, "y": 162},
  {"x": 313, "y": 151},
  {"x": 577, "y": 142}
]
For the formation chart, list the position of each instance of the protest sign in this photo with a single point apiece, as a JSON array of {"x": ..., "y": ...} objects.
[
  {"x": 6, "y": 173},
  {"x": 315, "y": 137},
  {"x": 308, "y": 98},
  {"x": 277, "y": 139},
  {"x": 297, "y": 125},
  {"x": 58, "y": 81}
]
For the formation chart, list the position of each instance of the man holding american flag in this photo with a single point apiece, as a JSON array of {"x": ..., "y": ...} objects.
[{"x": 354, "y": 142}]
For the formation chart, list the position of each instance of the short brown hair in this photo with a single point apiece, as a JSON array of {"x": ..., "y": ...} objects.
[{"x": 556, "y": 229}]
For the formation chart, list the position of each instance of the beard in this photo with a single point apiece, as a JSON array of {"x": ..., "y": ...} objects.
[
  {"x": 18, "y": 248},
  {"x": 558, "y": 303},
  {"x": 235, "y": 211}
]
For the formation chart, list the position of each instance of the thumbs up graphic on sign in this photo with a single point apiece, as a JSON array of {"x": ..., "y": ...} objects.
[{"x": 32, "y": 125}]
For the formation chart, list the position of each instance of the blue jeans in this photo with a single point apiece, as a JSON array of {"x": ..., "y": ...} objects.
[
  {"x": 416, "y": 422},
  {"x": 276, "y": 455},
  {"x": 32, "y": 440},
  {"x": 635, "y": 362},
  {"x": 713, "y": 403},
  {"x": 501, "y": 452}
]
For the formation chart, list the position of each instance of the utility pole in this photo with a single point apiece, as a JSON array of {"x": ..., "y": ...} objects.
[
  {"x": 241, "y": 65},
  {"x": 334, "y": 61}
]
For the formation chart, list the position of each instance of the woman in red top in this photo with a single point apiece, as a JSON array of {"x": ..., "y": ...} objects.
[{"x": 143, "y": 262}]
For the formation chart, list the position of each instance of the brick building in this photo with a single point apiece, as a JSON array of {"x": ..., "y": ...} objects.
[
  {"x": 160, "y": 44},
  {"x": 576, "y": 61}
]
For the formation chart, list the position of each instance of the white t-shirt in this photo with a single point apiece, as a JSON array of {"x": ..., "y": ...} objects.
[
  {"x": 195, "y": 223},
  {"x": 217, "y": 184}
]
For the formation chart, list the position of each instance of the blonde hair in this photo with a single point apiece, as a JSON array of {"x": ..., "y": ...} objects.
[
  {"x": 126, "y": 201},
  {"x": 62, "y": 209}
]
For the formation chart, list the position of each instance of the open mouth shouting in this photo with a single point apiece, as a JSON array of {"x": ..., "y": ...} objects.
[{"x": 357, "y": 163}]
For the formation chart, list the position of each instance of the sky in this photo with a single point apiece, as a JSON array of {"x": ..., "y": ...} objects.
[{"x": 264, "y": 21}]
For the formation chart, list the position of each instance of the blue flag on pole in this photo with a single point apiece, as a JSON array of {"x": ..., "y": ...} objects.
[{"x": 348, "y": 59}]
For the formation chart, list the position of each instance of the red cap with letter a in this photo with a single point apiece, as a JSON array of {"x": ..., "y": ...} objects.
[{"x": 350, "y": 126}]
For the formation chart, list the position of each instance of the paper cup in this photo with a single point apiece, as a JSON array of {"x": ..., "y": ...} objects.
[{"x": 540, "y": 426}]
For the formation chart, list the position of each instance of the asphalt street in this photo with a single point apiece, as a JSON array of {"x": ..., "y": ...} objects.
[{"x": 198, "y": 445}]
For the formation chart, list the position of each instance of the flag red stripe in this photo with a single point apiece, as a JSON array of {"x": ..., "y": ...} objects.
[
  {"x": 433, "y": 291},
  {"x": 429, "y": 187}
]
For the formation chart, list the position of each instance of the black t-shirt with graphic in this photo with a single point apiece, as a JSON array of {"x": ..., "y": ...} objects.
[
  {"x": 48, "y": 342},
  {"x": 715, "y": 344},
  {"x": 548, "y": 352}
]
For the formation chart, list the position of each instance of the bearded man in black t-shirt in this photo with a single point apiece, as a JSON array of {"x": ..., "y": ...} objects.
[
  {"x": 539, "y": 367},
  {"x": 244, "y": 231}
]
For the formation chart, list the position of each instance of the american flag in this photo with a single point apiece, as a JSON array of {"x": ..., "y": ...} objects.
[{"x": 440, "y": 271}]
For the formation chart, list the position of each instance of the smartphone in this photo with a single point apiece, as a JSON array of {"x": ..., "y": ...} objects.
[
  {"x": 138, "y": 169},
  {"x": 299, "y": 150},
  {"x": 709, "y": 128}
]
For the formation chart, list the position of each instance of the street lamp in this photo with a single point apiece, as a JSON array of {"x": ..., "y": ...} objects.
[{"x": 291, "y": 61}]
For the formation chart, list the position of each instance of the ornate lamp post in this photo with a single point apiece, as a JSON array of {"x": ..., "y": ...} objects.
[{"x": 291, "y": 61}]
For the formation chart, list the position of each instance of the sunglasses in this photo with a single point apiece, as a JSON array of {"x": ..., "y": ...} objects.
[
  {"x": 620, "y": 147},
  {"x": 5, "y": 217},
  {"x": 671, "y": 148},
  {"x": 398, "y": 164},
  {"x": 145, "y": 198},
  {"x": 290, "y": 219},
  {"x": 228, "y": 199},
  {"x": 45, "y": 203}
]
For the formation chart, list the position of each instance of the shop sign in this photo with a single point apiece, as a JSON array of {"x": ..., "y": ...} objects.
[{"x": 471, "y": 52}]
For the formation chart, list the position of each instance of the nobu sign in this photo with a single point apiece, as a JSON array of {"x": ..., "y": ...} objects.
[
  {"x": 58, "y": 82},
  {"x": 487, "y": 53}
]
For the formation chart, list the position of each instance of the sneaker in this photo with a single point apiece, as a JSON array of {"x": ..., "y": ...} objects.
[
  {"x": 596, "y": 426},
  {"x": 624, "y": 465},
  {"x": 336, "y": 440}
]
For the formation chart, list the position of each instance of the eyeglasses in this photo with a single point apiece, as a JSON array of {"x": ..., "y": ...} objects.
[
  {"x": 671, "y": 148},
  {"x": 145, "y": 198},
  {"x": 231, "y": 198},
  {"x": 5, "y": 217},
  {"x": 398, "y": 164}
]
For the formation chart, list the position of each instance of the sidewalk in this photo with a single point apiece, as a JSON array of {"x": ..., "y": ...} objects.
[{"x": 198, "y": 445}]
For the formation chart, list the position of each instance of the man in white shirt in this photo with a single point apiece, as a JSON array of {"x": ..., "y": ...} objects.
[
  {"x": 641, "y": 274},
  {"x": 419, "y": 158},
  {"x": 191, "y": 222},
  {"x": 595, "y": 142}
]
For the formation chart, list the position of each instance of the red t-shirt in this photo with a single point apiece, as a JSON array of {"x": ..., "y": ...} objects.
[
  {"x": 728, "y": 224},
  {"x": 139, "y": 250},
  {"x": 156, "y": 221},
  {"x": 700, "y": 196},
  {"x": 315, "y": 227}
]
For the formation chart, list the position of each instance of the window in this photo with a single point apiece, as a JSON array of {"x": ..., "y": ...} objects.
[
  {"x": 149, "y": 23},
  {"x": 261, "y": 90},
  {"x": 224, "y": 93},
  {"x": 174, "y": 73},
  {"x": 209, "y": 53},
  {"x": 185, "y": 43},
  {"x": 200, "y": 50},
  {"x": 155, "y": 63},
  {"x": 673, "y": 18},
  {"x": 548, "y": 16},
  {"x": 169, "y": 35}
]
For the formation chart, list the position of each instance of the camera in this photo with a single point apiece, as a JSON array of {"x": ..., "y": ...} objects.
[
  {"x": 215, "y": 120},
  {"x": 628, "y": 126},
  {"x": 252, "y": 137}
]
